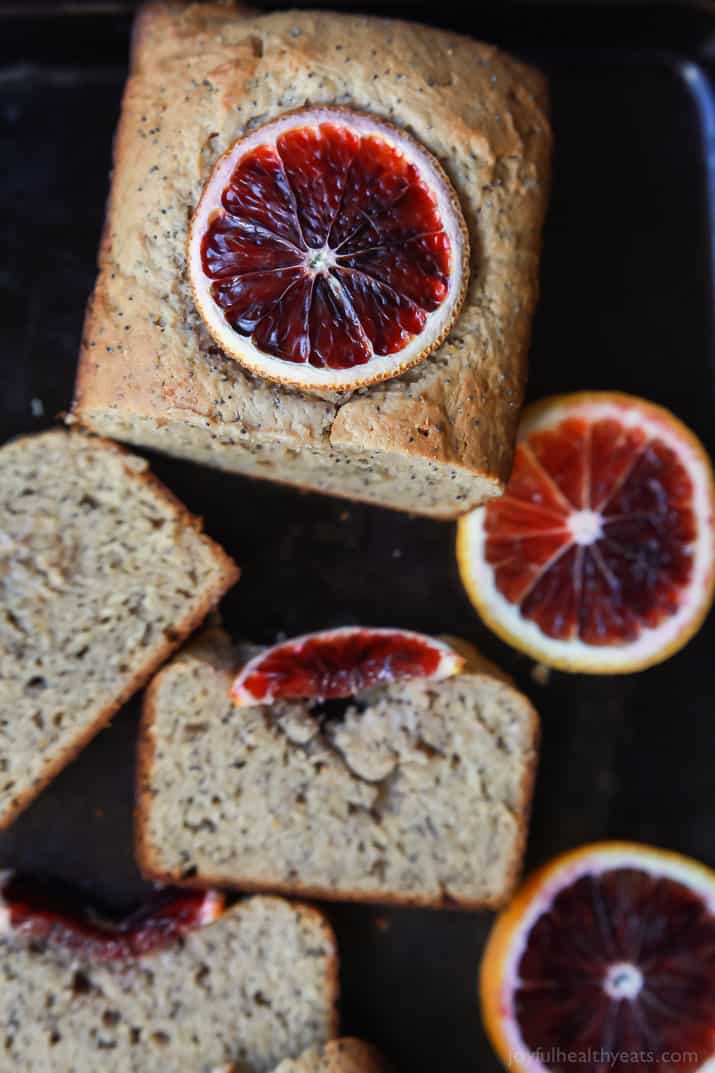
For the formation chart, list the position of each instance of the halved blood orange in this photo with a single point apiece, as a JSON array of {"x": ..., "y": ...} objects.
[
  {"x": 328, "y": 250},
  {"x": 337, "y": 663},
  {"x": 600, "y": 555},
  {"x": 605, "y": 961}
]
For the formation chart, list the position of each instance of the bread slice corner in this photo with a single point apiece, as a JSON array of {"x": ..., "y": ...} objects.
[{"x": 103, "y": 573}]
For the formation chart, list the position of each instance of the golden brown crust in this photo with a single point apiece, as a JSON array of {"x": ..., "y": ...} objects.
[
  {"x": 332, "y": 982},
  {"x": 200, "y": 76},
  {"x": 474, "y": 661},
  {"x": 229, "y": 575},
  {"x": 329, "y": 894},
  {"x": 147, "y": 861},
  {"x": 495, "y": 486},
  {"x": 528, "y": 784},
  {"x": 349, "y": 1055},
  {"x": 145, "y": 749}
]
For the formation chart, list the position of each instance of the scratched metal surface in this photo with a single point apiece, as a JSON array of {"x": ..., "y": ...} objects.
[{"x": 626, "y": 303}]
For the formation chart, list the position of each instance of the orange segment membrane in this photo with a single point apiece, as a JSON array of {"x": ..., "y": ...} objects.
[
  {"x": 622, "y": 962},
  {"x": 58, "y": 916},
  {"x": 328, "y": 248},
  {"x": 631, "y": 575},
  {"x": 335, "y": 665}
]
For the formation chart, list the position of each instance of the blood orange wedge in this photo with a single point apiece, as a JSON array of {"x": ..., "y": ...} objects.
[
  {"x": 599, "y": 556},
  {"x": 605, "y": 961},
  {"x": 328, "y": 250},
  {"x": 338, "y": 663}
]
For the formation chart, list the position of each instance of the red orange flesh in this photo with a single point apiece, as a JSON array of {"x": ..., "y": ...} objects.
[
  {"x": 606, "y": 954},
  {"x": 32, "y": 910},
  {"x": 338, "y": 663},
  {"x": 328, "y": 250},
  {"x": 600, "y": 554}
]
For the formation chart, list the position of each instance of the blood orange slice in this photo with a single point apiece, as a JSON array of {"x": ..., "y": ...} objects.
[
  {"x": 605, "y": 961},
  {"x": 338, "y": 663},
  {"x": 599, "y": 557},
  {"x": 39, "y": 913},
  {"x": 328, "y": 250}
]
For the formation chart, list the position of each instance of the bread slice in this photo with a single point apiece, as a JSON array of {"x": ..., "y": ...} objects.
[
  {"x": 418, "y": 794},
  {"x": 258, "y": 984},
  {"x": 102, "y": 573},
  {"x": 338, "y": 1056},
  {"x": 437, "y": 440}
]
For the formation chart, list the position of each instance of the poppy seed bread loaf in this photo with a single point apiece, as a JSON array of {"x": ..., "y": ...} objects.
[
  {"x": 258, "y": 984},
  {"x": 102, "y": 574},
  {"x": 418, "y": 792},
  {"x": 437, "y": 440},
  {"x": 338, "y": 1056}
]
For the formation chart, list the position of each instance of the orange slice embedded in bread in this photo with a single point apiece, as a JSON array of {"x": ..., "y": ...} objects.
[{"x": 328, "y": 250}]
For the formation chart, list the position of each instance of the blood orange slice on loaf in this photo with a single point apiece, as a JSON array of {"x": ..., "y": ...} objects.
[
  {"x": 337, "y": 663},
  {"x": 599, "y": 557},
  {"x": 605, "y": 961},
  {"x": 43, "y": 914},
  {"x": 328, "y": 250}
]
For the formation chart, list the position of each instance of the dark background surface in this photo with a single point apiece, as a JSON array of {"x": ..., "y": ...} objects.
[{"x": 626, "y": 304}]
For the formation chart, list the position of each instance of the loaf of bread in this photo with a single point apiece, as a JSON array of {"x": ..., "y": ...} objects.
[
  {"x": 102, "y": 573},
  {"x": 338, "y": 1056},
  {"x": 437, "y": 440},
  {"x": 243, "y": 992},
  {"x": 418, "y": 793}
]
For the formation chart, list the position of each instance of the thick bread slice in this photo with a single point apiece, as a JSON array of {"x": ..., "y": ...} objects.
[
  {"x": 437, "y": 440},
  {"x": 258, "y": 984},
  {"x": 419, "y": 793},
  {"x": 102, "y": 573},
  {"x": 338, "y": 1056}
]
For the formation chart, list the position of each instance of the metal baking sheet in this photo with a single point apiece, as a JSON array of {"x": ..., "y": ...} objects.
[{"x": 627, "y": 303}]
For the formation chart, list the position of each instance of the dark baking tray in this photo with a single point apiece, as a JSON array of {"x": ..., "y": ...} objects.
[{"x": 627, "y": 303}]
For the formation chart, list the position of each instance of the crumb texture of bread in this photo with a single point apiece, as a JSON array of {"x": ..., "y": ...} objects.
[
  {"x": 438, "y": 439},
  {"x": 419, "y": 792},
  {"x": 102, "y": 574},
  {"x": 338, "y": 1056},
  {"x": 244, "y": 992}
]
